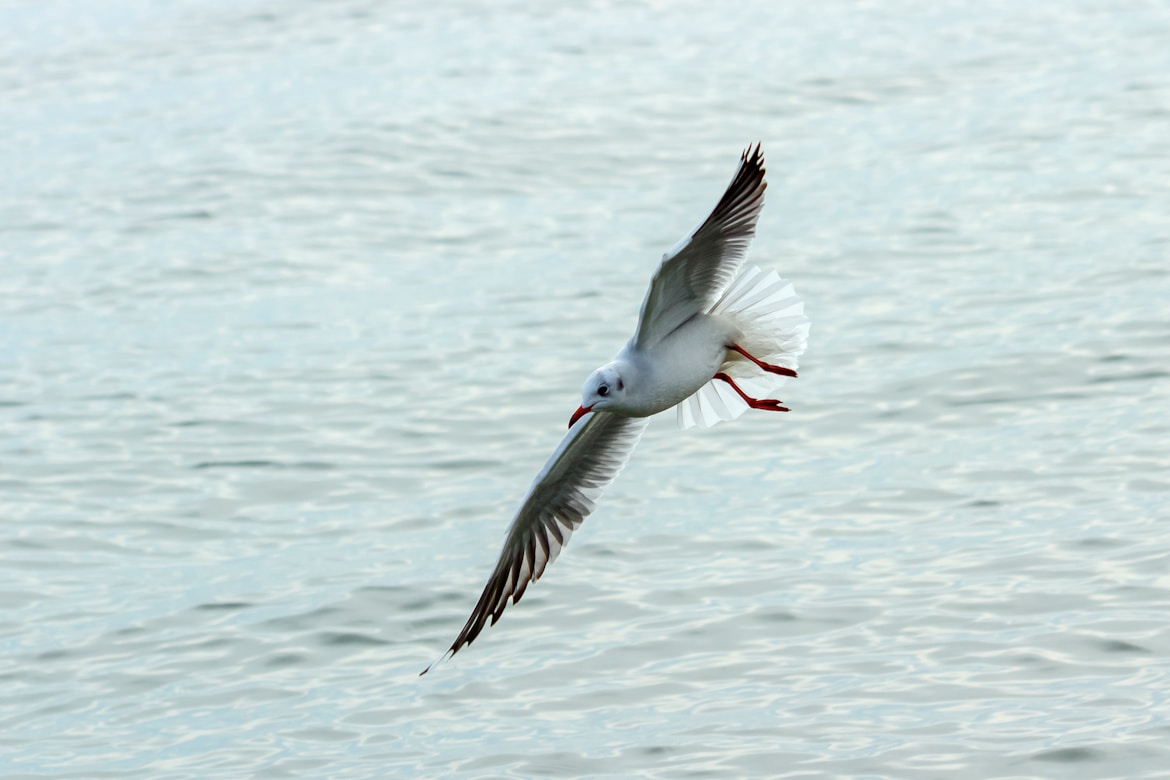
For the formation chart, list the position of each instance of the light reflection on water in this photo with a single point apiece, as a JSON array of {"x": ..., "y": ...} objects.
[{"x": 297, "y": 299}]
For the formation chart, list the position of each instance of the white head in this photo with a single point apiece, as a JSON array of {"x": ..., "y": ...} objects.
[{"x": 604, "y": 389}]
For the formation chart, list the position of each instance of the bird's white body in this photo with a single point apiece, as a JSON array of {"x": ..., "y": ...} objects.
[
  {"x": 713, "y": 339},
  {"x": 684, "y": 361},
  {"x": 673, "y": 369}
]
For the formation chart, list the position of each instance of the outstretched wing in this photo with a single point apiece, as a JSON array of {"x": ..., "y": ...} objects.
[
  {"x": 696, "y": 270},
  {"x": 563, "y": 494}
]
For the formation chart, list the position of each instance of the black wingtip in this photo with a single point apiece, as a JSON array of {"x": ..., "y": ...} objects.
[
  {"x": 744, "y": 194},
  {"x": 753, "y": 156},
  {"x": 438, "y": 661}
]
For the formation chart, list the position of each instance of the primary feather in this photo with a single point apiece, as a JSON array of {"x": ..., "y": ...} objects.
[
  {"x": 696, "y": 271},
  {"x": 563, "y": 494}
]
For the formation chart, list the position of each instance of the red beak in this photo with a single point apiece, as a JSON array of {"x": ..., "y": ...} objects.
[{"x": 577, "y": 415}]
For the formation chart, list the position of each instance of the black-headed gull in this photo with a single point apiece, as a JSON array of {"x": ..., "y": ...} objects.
[{"x": 710, "y": 340}]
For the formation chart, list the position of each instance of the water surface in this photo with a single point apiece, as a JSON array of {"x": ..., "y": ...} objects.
[{"x": 297, "y": 297}]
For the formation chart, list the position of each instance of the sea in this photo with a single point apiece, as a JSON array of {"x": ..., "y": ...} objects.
[{"x": 296, "y": 298}]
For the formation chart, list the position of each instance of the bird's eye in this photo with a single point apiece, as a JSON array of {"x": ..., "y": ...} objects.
[{"x": 603, "y": 390}]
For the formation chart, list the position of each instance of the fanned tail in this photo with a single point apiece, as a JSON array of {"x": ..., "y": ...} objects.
[{"x": 770, "y": 317}]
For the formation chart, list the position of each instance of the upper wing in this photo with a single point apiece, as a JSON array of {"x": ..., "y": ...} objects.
[
  {"x": 696, "y": 270},
  {"x": 590, "y": 456}
]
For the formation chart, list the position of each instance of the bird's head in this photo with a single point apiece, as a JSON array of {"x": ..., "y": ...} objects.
[{"x": 604, "y": 389}]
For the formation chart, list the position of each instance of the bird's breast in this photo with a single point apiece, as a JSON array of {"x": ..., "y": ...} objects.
[{"x": 676, "y": 367}]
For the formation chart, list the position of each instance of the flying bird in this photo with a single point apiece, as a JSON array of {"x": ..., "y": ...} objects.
[{"x": 713, "y": 340}]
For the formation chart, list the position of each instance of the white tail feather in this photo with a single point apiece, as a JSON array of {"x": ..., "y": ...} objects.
[{"x": 773, "y": 328}]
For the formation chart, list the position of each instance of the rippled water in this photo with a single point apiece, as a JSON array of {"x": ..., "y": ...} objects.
[{"x": 297, "y": 297}]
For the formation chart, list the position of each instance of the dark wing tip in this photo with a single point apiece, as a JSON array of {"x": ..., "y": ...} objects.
[
  {"x": 752, "y": 171},
  {"x": 756, "y": 157},
  {"x": 437, "y": 661},
  {"x": 743, "y": 198}
]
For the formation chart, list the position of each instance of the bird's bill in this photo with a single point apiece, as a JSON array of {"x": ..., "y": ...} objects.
[{"x": 577, "y": 415}]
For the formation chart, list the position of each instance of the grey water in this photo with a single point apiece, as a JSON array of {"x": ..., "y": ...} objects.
[{"x": 296, "y": 297}]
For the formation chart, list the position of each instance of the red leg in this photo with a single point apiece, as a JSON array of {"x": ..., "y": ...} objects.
[
  {"x": 756, "y": 403},
  {"x": 771, "y": 369}
]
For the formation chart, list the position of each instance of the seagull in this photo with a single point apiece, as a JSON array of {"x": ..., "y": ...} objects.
[{"x": 712, "y": 339}]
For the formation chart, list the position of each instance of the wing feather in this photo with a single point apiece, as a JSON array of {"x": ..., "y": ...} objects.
[
  {"x": 563, "y": 494},
  {"x": 694, "y": 273}
]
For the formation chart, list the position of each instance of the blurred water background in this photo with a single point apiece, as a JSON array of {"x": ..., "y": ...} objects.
[{"x": 296, "y": 297}]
